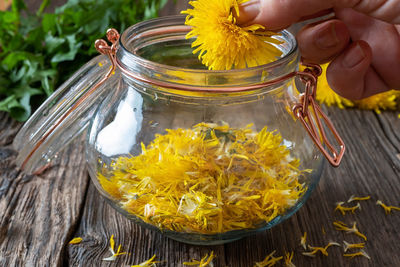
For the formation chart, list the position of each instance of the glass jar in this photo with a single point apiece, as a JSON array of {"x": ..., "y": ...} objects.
[{"x": 205, "y": 157}]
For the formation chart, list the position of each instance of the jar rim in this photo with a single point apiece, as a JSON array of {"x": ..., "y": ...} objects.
[{"x": 170, "y": 25}]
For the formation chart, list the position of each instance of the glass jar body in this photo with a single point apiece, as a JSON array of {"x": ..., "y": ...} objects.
[{"x": 200, "y": 166}]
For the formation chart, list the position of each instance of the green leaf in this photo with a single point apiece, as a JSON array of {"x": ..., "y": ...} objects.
[
  {"x": 40, "y": 50},
  {"x": 9, "y": 103},
  {"x": 46, "y": 77},
  {"x": 69, "y": 5},
  {"x": 9, "y": 17},
  {"x": 18, "y": 74},
  {"x": 52, "y": 43},
  {"x": 19, "y": 111},
  {"x": 70, "y": 55},
  {"x": 49, "y": 23},
  {"x": 34, "y": 38},
  {"x": 17, "y": 6},
  {"x": 14, "y": 58},
  {"x": 8, "y": 25},
  {"x": 28, "y": 23},
  {"x": 22, "y": 112},
  {"x": 15, "y": 43}
]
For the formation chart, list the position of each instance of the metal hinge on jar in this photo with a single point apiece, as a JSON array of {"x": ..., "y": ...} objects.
[{"x": 311, "y": 117}]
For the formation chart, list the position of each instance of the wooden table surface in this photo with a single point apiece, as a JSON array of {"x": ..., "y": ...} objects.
[{"x": 39, "y": 215}]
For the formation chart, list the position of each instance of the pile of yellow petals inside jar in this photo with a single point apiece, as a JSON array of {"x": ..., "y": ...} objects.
[{"x": 208, "y": 179}]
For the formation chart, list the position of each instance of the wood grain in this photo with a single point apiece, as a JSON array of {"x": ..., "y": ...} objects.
[{"x": 39, "y": 214}]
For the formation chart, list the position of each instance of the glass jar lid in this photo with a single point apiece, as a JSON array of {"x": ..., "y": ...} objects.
[{"x": 62, "y": 117}]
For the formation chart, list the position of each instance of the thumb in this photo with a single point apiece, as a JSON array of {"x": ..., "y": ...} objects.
[{"x": 279, "y": 14}]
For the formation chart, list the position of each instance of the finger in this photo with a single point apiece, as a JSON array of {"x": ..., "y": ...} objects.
[
  {"x": 317, "y": 15},
  {"x": 351, "y": 75},
  {"x": 384, "y": 40},
  {"x": 276, "y": 14},
  {"x": 322, "y": 42}
]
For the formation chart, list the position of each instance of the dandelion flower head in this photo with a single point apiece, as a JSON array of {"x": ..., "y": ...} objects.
[
  {"x": 379, "y": 102},
  {"x": 222, "y": 44}
]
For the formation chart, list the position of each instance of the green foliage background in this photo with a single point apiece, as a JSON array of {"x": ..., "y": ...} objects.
[{"x": 39, "y": 51}]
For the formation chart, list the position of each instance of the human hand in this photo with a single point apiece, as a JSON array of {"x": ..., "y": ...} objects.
[{"x": 362, "y": 41}]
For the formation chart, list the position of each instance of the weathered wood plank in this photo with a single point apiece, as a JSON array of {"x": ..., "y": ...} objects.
[{"x": 38, "y": 213}]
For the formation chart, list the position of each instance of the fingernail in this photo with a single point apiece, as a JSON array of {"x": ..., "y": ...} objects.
[
  {"x": 353, "y": 56},
  {"x": 327, "y": 37},
  {"x": 248, "y": 11}
]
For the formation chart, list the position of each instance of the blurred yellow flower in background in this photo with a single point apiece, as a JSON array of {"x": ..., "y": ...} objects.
[
  {"x": 383, "y": 101},
  {"x": 379, "y": 102}
]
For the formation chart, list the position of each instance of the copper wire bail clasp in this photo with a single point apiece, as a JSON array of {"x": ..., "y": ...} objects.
[
  {"x": 103, "y": 48},
  {"x": 309, "y": 117}
]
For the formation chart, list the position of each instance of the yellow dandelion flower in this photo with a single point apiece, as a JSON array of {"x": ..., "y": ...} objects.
[
  {"x": 323, "y": 250},
  {"x": 309, "y": 254},
  {"x": 110, "y": 186},
  {"x": 379, "y": 102},
  {"x": 325, "y": 95},
  {"x": 149, "y": 263},
  {"x": 303, "y": 241},
  {"x": 76, "y": 240},
  {"x": 288, "y": 259},
  {"x": 340, "y": 226},
  {"x": 360, "y": 253},
  {"x": 269, "y": 261},
  {"x": 205, "y": 261},
  {"x": 388, "y": 209},
  {"x": 343, "y": 209},
  {"x": 114, "y": 254},
  {"x": 221, "y": 43},
  {"x": 348, "y": 245},
  {"x": 354, "y": 198}
]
